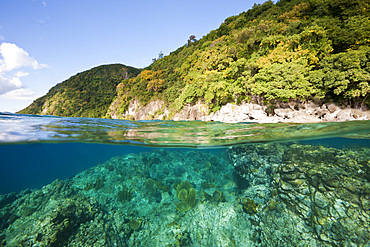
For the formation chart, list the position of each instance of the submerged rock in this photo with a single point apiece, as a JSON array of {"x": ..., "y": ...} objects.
[
  {"x": 323, "y": 193},
  {"x": 258, "y": 195}
]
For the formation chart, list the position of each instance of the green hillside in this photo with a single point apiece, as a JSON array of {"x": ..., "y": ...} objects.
[
  {"x": 290, "y": 51},
  {"x": 294, "y": 50},
  {"x": 87, "y": 94}
]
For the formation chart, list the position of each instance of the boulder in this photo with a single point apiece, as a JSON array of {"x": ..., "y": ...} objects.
[
  {"x": 284, "y": 113},
  {"x": 344, "y": 115},
  {"x": 195, "y": 112},
  {"x": 303, "y": 117},
  {"x": 360, "y": 115},
  {"x": 151, "y": 108},
  {"x": 332, "y": 107}
]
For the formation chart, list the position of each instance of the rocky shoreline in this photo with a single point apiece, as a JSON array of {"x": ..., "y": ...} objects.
[{"x": 245, "y": 112}]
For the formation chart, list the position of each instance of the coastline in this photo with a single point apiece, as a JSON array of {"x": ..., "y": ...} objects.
[{"x": 309, "y": 112}]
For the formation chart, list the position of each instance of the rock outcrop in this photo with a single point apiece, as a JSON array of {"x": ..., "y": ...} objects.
[
  {"x": 321, "y": 194},
  {"x": 245, "y": 112}
]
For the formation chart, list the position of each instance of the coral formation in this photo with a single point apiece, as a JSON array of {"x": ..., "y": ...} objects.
[
  {"x": 149, "y": 185},
  {"x": 214, "y": 160},
  {"x": 217, "y": 196},
  {"x": 134, "y": 224},
  {"x": 321, "y": 190},
  {"x": 159, "y": 184},
  {"x": 97, "y": 185},
  {"x": 207, "y": 185},
  {"x": 187, "y": 196},
  {"x": 249, "y": 206},
  {"x": 124, "y": 195}
]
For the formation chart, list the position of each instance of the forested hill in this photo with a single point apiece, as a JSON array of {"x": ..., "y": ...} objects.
[
  {"x": 87, "y": 94},
  {"x": 293, "y": 50},
  {"x": 290, "y": 51}
]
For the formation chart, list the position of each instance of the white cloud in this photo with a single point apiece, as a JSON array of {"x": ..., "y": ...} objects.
[
  {"x": 9, "y": 84},
  {"x": 20, "y": 94},
  {"x": 21, "y": 73},
  {"x": 44, "y": 3},
  {"x": 14, "y": 58}
]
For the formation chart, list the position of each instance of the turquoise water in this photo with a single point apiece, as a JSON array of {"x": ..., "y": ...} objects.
[{"x": 102, "y": 182}]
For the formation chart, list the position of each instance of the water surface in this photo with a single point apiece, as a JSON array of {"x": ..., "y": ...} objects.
[{"x": 103, "y": 182}]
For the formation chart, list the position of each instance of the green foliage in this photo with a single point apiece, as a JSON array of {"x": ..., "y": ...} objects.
[
  {"x": 274, "y": 51},
  {"x": 346, "y": 74},
  {"x": 283, "y": 82},
  {"x": 87, "y": 94}
]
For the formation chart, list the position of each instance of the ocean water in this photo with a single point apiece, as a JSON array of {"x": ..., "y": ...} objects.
[{"x": 101, "y": 182}]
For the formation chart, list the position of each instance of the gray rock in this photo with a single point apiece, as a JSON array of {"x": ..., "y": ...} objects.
[
  {"x": 332, "y": 107},
  {"x": 284, "y": 113},
  {"x": 303, "y": 117},
  {"x": 344, "y": 115}
]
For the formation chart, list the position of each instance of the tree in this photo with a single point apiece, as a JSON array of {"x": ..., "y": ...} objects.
[
  {"x": 191, "y": 39},
  {"x": 346, "y": 74},
  {"x": 283, "y": 81}
]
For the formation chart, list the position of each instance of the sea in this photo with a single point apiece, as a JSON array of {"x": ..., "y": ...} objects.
[{"x": 105, "y": 182}]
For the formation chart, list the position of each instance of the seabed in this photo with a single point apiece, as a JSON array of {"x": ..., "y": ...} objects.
[{"x": 277, "y": 194}]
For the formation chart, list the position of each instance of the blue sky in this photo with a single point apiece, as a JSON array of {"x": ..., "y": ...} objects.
[{"x": 44, "y": 42}]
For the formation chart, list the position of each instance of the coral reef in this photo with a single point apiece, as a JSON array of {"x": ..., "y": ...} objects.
[
  {"x": 322, "y": 191},
  {"x": 277, "y": 195},
  {"x": 207, "y": 185}
]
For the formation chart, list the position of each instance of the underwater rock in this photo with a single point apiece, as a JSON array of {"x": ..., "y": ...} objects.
[
  {"x": 319, "y": 190},
  {"x": 283, "y": 195},
  {"x": 179, "y": 169},
  {"x": 158, "y": 171},
  {"x": 56, "y": 216}
]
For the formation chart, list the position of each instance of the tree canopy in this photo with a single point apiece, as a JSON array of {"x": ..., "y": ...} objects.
[{"x": 87, "y": 94}]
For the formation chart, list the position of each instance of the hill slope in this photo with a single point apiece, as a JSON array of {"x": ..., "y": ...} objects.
[
  {"x": 291, "y": 51},
  {"x": 87, "y": 94}
]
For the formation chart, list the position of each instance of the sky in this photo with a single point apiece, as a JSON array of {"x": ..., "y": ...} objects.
[{"x": 44, "y": 42}]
